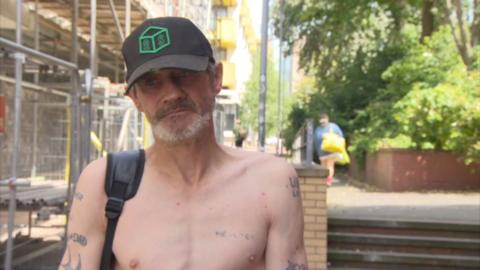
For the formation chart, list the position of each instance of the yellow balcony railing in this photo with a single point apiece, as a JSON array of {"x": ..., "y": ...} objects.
[
  {"x": 226, "y": 33},
  {"x": 229, "y": 75},
  {"x": 225, "y": 3}
]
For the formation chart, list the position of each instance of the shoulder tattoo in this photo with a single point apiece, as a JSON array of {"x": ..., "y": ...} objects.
[{"x": 295, "y": 185}]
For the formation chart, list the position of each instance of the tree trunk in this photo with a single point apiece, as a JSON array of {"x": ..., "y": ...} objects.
[
  {"x": 397, "y": 12},
  {"x": 427, "y": 19},
  {"x": 462, "y": 38},
  {"x": 475, "y": 28}
]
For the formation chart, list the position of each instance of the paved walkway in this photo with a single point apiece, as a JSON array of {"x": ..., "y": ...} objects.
[{"x": 345, "y": 200}]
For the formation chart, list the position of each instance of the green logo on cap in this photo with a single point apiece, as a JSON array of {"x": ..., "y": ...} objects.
[{"x": 154, "y": 39}]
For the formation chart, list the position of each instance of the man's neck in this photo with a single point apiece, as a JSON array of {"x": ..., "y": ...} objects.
[{"x": 188, "y": 162}]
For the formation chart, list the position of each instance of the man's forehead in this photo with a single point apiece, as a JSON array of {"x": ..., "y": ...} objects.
[{"x": 167, "y": 71}]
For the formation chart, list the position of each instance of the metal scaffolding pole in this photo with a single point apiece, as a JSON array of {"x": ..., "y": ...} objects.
[
  {"x": 74, "y": 143},
  {"x": 36, "y": 54},
  {"x": 35, "y": 137},
  {"x": 115, "y": 18},
  {"x": 89, "y": 81},
  {"x": 280, "y": 78},
  {"x": 35, "y": 87},
  {"x": 36, "y": 38},
  {"x": 263, "y": 79},
  {"x": 35, "y": 106},
  {"x": 128, "y": 8},
  {"x": 75, "y": 98},
  {"x": 19, "y": 59}
]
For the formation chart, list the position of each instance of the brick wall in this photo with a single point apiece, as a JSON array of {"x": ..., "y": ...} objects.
[
  {"x": 407, "y": 170},
  {"x": 313, "y": 187}
]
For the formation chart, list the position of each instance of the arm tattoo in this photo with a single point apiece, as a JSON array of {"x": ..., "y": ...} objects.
[
  {"x": 68, "y": 265},
  {"x": 78, "y": 196},
  {"x": 295, "y": 185},
  {"x": 78, "y": 238},
  {"x": 295, "y": 266}
]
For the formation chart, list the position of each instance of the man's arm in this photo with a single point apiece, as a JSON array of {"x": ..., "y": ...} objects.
[
  {"x": 86, "y": 228},
  {"x": 285, "y": 247}
]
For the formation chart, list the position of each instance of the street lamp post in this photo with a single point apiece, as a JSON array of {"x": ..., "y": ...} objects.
[{"x": 263, "y": 79}]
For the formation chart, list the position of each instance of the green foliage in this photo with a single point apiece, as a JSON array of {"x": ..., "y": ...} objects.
[
  {"x": 431, "y": 102},
  {"x": 333, "y": 32},
  {"x": 250, "y": 99},
  {"x": 346, "y": 98},
  {"x": 376, "y": 79},
  {"x": 296, "y": 118},
  {"x": 445, "y": 117}
]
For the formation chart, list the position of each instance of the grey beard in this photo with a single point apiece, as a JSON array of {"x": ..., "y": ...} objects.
[{"x": 172, "y": 136}]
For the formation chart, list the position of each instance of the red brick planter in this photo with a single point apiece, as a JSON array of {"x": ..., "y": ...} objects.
[{"x": 401, "y": 170}]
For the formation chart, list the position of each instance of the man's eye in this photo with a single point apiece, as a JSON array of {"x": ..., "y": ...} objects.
[
  {"x": 183, "y": 74},
  {"x": 150, "y": 82}
]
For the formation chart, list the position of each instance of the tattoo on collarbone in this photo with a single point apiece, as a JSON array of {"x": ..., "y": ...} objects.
[
  {"x": 78, "y": 238},
  {"x": 233, "y": 235},
  {"x": 295, "y": 266},
  {"x": 295, "y": 185},
  {"x": 69, "y": 266},
  {"x": 78, "y": 196}
]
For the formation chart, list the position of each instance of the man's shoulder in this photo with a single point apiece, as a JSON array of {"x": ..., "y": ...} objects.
[
  {"x": 92, "y": 178},
  {"x": 264, "y": 165}
]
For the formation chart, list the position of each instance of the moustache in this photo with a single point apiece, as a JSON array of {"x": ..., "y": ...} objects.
[{"x": 183, "y": 105}]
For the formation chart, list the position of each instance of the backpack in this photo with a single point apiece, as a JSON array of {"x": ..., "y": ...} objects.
[{"x": 124, "y": 173}]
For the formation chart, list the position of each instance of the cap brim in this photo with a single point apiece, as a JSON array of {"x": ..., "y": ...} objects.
[{"x": 190, "y": 62}]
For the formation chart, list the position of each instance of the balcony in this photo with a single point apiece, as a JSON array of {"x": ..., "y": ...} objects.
[
  {"x": 226, "y": 33},
  {"x": 225, "y": 3}
]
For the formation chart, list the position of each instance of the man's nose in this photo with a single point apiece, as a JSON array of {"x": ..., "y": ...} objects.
[{"x": 172, "y": 92}]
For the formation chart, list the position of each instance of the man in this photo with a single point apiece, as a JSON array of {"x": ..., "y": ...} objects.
[
  {"x": 327, "y": 159},
  {"x": 199, "y": 205}
]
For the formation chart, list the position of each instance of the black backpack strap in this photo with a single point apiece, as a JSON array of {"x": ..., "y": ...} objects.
[{"x": 124, "y": 173}]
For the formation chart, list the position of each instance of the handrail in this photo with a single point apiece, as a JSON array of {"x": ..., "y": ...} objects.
[{"x": 302, "y": 148}]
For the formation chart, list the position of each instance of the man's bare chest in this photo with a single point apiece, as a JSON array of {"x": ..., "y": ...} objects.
[{"x": 218, "y": 228}]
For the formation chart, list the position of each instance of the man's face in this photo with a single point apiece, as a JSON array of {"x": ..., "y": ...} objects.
[{"x": 178, "y": 103}]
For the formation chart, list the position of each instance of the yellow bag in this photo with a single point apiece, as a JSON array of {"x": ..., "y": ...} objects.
[
  {"x": 345, "y": 158},
  {"x": 333, "y": 142}
]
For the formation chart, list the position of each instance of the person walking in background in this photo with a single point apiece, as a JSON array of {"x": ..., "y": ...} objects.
[
  {"x": 327, "y": 159},
  {"x": 241, "y": 134}
]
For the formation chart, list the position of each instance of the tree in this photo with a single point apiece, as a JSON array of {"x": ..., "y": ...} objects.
[
  {"x": 250, "y": 98},
  {"x": 333, "y": 32},
  {"x": 466, "y": 36},
  {"x": 427, "y": 19}
]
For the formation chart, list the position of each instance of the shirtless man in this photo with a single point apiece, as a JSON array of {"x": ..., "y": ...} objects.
[{"x": 199, "y": 205}]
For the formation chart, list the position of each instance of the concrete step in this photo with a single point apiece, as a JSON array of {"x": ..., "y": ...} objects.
[
  {"x": 396, "y": 260},
  {"x": 404, "y": 227},
  {"x": 412, "y": 244},
  {"x": 393, "y": 244}
]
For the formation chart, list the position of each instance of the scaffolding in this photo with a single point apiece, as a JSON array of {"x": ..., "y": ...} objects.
[
  {"x": 61, "y": 71},
  {"x": 53, "y": 59}
]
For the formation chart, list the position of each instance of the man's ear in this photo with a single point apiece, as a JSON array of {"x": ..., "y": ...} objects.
[
  {"x": 218, "y": 77},
  {"x": 133, "y": 95}
]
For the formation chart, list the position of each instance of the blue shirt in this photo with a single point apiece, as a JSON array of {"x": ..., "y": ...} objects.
[{"x": 318, "y": 136}]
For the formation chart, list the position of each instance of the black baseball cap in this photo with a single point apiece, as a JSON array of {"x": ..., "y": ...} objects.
[{"x": 165, "y": 42}]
